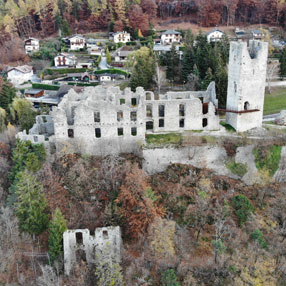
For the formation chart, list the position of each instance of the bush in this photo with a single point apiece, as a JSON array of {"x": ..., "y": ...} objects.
[
  {"x": 242, "y": 208},
  {"x": 238, "y": 169},
  {"x": 112, "y": 71},
  {"x": 45, "y": 86},
  {"x": 132, "y": 43},
  {"x": 169, "y": 278},
  {"x": 267, "y": 158},
  {"x": 83, "y": 84},
  {"x": 257, "y": 235}
]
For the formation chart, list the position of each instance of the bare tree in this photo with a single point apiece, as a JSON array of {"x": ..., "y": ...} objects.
[
  {"x": 271, "y": 71},
  {"x": 159, "y": 77}
]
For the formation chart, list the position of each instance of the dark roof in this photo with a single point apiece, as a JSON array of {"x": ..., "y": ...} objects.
[
  {"x": 33, "y": 91},
  {"x": 215, "y": 30},
  {"x": 171, "y": 32}
]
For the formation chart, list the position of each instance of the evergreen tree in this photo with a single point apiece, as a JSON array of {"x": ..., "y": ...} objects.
[
  {"x": 173, "y": 64},
  {"x": 57, "y": 227},
  {"x": 7, "y": 94},
  {"x": 2, "y": 119},
  {"x": 108, "y": 56},
  {"x": 189, "y": 38},
  {"x": 207, "y": 80},
  {"x": 282, "y": 60},
  {"x": 188, "y": 63},
  {"x": 169, "y": 278},
  {"x": 221, "y": 80},
  {"x": 201, "y": 54},
  {"x": 31, "y": 205}
]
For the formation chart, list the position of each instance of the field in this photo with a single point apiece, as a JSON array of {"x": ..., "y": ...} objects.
[{"x": 275, "y": 101}]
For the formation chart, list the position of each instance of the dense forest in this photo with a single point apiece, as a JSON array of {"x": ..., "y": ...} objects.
[{"x": 45, "y": 17}]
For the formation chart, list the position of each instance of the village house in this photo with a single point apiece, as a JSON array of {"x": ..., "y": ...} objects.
[
  {"x": 19, "y": 75},
  {"x": 215, "y": 35},
  {"x": 257, "y": 34},
  {"x": 170, "y": 36},
  {"x": 65, "y": 60},
  {"x": 77, "y": 42},
  {"x": 84, "y": 63},
  {"x": 90, "y": 43},
  {"x": 162, "y": 49},
  {"x": 121, "y": 37},
  {"x": 94, "y": 51},
  {"x": 121, "y": 54},
  {"x": 32, "y": 45}
]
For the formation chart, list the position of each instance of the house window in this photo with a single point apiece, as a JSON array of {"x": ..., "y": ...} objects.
[
  {"x": 133, "y": 101},
  {"x": 70, "y": 133},
  {"x": 182, "y": 109},
  {"x": 78, "y": 237},
  {"x": 122, "y": 101},
  {"x": 161, "y": 110},
  {"x": 149, "y": 110},
  {"x": 97, "y": 132},
  {"x": 133, "y": 131},
  {"x": 119, "y": 116},
  {"x": 120, "y": 131},
  {"x": 97, "y": 116},
  {"x": 161, "y": 122},
  {"x": 205, "y": 122},
  {"x": 182, "y": 123},
  {"x": 133, "y": 115}
]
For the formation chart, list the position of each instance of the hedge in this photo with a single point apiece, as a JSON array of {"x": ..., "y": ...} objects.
[
  {"x": 65, "y": 71},
  {"x": 83, "y": 84},
  {"x": 112, "y": 71},
  {"x": 45, "y": 86}
]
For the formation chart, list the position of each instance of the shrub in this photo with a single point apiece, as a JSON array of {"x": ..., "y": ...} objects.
[
  {"x": 228, "y": 127},
  {"x": 243, "y": 208},
  {"x": 238, "y": 169},
  {"x": 83, "y": 84},
  {"x": 112, "y": 71},
  {"x": 267, "y": 158},
  {"x": 169, "y": 278},
  {"x": 64, "y": 71},
  {"x": 257, "y": 235}
]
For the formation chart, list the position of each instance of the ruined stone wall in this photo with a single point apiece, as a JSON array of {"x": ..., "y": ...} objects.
[
  {"x": 80, "y": 244},
  {"x": 246, "y": 84}
]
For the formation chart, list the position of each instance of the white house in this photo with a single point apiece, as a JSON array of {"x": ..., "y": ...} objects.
[
  {"x": 105, "y": 77},
  {"x": 121, "y": 37},
  {"x": 65, "y": 60},
  {"x": 170, "y": 36},
  {"x": 91, "y": 43},
  {"x": 215, "y": 35},
  {"x": 121, "y": 54},
  {"x": 32, "y": 45},
  {"x": 84, "y": 63},
  {"x": 19, "y": 75},
  {"x": 77, "y": 42},
  {"x": 94, "y": 51}
]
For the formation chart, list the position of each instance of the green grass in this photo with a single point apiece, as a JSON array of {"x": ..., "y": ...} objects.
[
  {"x": 267, "y": 158},
  {"x": 228, "y": 127},
  {"x": 164, "y": 139},
  {"x": 45, "y": 86},
  {"x": 275, "y": 101},
  {"x": 238, "y": 169}
]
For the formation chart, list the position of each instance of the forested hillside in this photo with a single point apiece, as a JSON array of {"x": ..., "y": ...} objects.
[{"x": 45, "y": 17}]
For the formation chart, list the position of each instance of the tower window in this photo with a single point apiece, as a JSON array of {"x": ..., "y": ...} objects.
[
  {"x": 161, "y": 110},
  {"x": 133, "y": 131},
  {"x": 149, "y": 110},
  {"x": 133, "y": 101},
  {"x": 97, "y": 132},
  {"x": 182, "y": 109},
  {"x": 182, "y": 123},
  {"x": 97, "y": 116},
  {"x": 70, "y": 133},
  {"x": 246, "y": 105},
  {"x": 120, "y": 131},
  {"x": 205, "y": 122},
  {"x": 119, "y": 116},
  {"x": 78, "y": 237},
  {"x": 161, "y": 122}
]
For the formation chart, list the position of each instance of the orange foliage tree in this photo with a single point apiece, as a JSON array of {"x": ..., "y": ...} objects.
[{"x": 138, "y": 204}]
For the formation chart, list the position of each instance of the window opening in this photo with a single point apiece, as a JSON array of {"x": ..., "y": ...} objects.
[
  {"x": 205, "y": 122},
  {"x": 161, "y": 122},
  {"x": 70, "y": 133},
  {"x": 97, "y": 116},
  {"x": 119, "y": 116},
  {"x": 246, "y": 105},
  {"x": 149, "y": 110},
  {"x": 205, "y": 108},
  {"x": 122, "y": 101},
  {"x": 133, "y": 131},
  {"x": 182, "y": 109},
  {"x": 105, "y": 234},
  {"x": 161, "y": 110},
  {"x": 182, "y": 123},
  {"x": 78, "y": 237},
  {"x": 97, "y": 132},
  {"x": 120, "y": 131},
  {"x": 133, "y": 101},
  {"x": 133, "y": 115},
  {"x": 149, "y": 125}
]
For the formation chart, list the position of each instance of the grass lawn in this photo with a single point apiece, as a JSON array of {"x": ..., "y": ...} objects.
[
  {"x": 275, "y": 101},
  {"x": 162, "y": 139}
]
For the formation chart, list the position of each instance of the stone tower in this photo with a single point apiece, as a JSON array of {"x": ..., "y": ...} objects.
[{"x": 246, "y": 84}]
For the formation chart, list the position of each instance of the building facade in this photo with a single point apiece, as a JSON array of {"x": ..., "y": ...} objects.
[
  {"x": 19, "y": 75},
  {"x": 77, "y": 42},
  {"x": 215, "y": 35},
  {"x": 170, "y": 37},
  {"x": 65, "y": 60},
  {"x": 121, "y": 37},
  {"x": 246, "y": 84},
  {"x": 32, "y": 45}
]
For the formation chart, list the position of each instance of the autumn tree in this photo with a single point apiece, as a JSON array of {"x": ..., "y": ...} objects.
[
  {"x": 137, "y": 19},
  {"x": 137, "y": 209},
  {"x": 31, "y": 206}
]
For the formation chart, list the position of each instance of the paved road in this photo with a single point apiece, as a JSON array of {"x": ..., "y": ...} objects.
[{"x": 103, "y": 64}]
